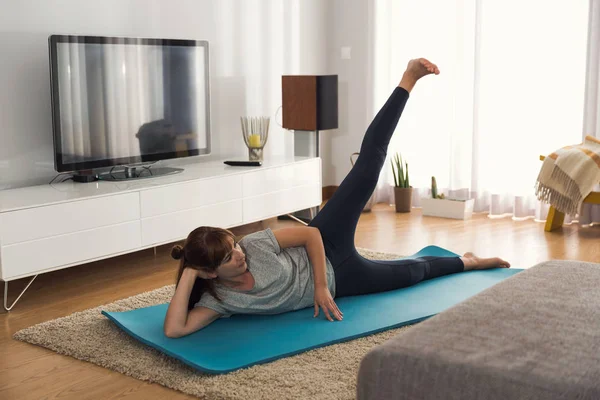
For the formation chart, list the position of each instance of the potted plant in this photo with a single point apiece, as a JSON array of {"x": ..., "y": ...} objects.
[
  {"x": 402, "y": 188},
  {"x": 439, "y": 206}
]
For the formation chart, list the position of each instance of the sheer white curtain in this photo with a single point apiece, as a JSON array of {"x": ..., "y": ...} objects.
[
  {"x": 511, "y": 88},
  {"x": 590, "y": 214}
]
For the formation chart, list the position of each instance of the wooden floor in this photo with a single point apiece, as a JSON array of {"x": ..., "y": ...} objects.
[{"x": 31, "y": 372}]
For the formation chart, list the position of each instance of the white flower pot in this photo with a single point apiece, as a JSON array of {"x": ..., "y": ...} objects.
[{"x": 447, "y": 208}]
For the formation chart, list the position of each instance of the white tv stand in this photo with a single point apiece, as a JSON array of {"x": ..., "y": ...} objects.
[{"x": 50, "y": 227}]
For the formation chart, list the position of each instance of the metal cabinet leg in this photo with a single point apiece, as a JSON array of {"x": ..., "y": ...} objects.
[
  {"x": 296, "y": 219},
  {"x": 6, "y": 306}
]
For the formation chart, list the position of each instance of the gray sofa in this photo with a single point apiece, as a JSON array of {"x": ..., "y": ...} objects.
[{"x": 535, "y": 335}]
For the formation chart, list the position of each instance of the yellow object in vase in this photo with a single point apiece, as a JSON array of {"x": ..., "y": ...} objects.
[{"x": 254, "y": 141}]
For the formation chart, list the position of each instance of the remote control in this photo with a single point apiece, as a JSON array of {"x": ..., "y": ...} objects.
[{"x": 244, "y": 163}]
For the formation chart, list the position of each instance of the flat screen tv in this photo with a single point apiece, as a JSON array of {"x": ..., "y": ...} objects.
[{"x": 127, "y": 101}]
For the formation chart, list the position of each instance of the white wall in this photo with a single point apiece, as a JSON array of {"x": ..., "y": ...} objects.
[
  {"x": 252, "y": 44},
  {"x": 349, "y": 26}
]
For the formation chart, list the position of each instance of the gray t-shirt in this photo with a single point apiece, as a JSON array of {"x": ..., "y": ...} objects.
[{"x": 283, "y": 279}]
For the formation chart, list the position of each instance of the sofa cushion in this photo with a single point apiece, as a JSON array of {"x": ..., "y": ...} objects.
[{"x": 535, "y": 335}]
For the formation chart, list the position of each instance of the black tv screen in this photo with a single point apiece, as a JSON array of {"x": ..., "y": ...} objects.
[{"x": 119, "y": 101}]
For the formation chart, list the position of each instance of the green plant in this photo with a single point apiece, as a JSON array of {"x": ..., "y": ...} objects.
[
  {"x": 400, "y": 172},
  {"x": 434, "y": 192}
]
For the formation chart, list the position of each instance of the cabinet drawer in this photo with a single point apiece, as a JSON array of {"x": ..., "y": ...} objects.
[
  {"x": 282, "y": 202},
  {"x": 59, "y": 219},
  {"x": 28, "y": 258},
  {"x": 282, "y": 178},
  {"x": 190, "y": 195},
  {"x": 176, "y": 226}
]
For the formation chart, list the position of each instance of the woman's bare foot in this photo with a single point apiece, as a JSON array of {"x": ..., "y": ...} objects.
[
  {"x": 415, "y": 70},
  {"x": 471, "y": 262}
]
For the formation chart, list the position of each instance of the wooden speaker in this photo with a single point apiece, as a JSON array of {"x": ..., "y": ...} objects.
[{"x": 310, "y": 102}]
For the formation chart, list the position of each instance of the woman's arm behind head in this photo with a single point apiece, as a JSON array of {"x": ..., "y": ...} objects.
[
  {"x": 197, "y": 319},
  {"x": 179, "y": 321}
]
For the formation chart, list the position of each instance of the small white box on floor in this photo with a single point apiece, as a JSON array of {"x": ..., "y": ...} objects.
[{"x": 447, "y": 208}]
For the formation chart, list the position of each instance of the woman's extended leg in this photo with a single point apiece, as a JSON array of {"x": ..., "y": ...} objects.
[
  {"x": 337, "y": 220},
  {"x": 357, "y": 275}
]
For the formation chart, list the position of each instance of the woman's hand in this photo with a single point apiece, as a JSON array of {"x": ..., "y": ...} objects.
[{"x": 324, "y": 300}]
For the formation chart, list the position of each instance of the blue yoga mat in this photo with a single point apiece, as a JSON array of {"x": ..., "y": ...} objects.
[{"x": 241, "y": 341}]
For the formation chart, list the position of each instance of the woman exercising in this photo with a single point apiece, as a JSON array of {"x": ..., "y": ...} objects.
[{"x": 271, "y": 272}]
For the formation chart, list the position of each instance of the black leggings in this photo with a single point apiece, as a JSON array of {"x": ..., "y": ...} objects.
[{"x": 337, "y": 220}]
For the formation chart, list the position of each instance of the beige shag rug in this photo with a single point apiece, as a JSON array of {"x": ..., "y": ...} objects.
[{"x": 325, "y": 373}]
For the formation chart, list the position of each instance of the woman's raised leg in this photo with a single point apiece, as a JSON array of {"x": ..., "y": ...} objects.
[{"x": 338, "y": 218}]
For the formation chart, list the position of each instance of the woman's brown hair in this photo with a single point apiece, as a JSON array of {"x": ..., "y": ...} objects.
[{"x": 204, "y": 248}]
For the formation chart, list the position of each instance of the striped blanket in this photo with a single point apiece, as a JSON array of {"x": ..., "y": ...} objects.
[{"x": 569, "y": 174}]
